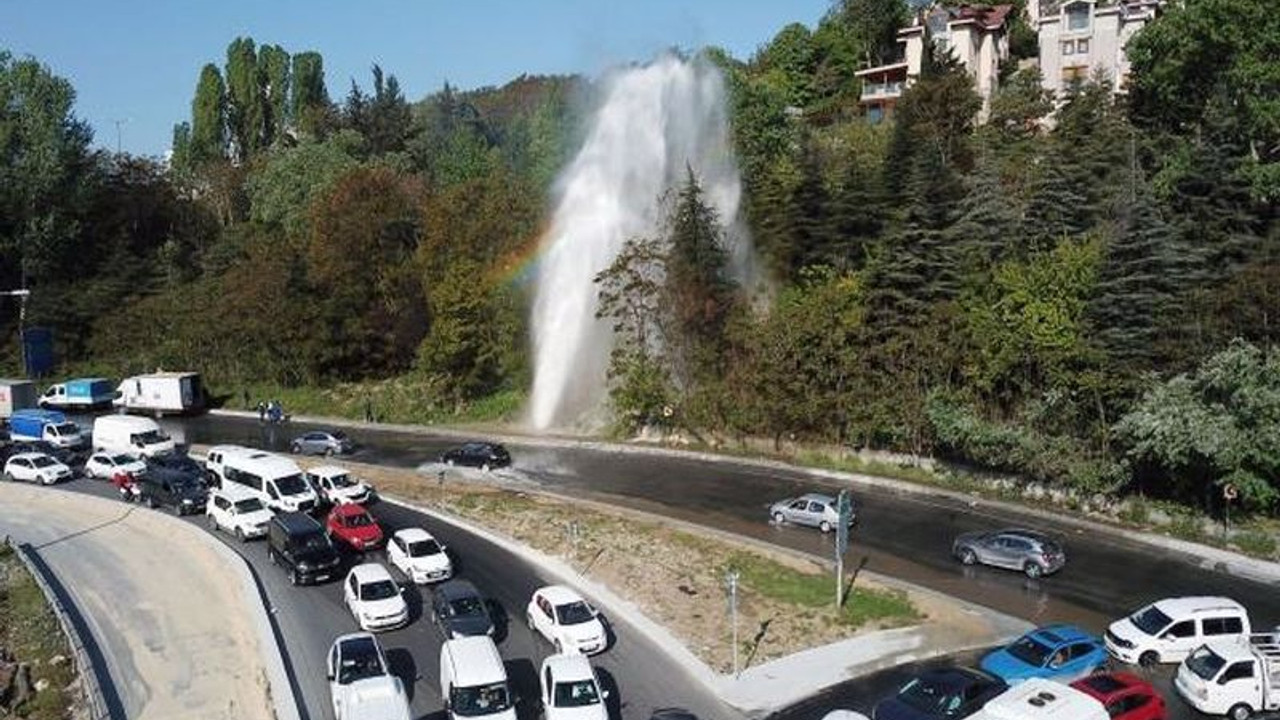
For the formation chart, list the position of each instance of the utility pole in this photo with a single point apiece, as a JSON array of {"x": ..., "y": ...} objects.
[
  {"x": 844, "y": 507},
  {"x": 22, "y": 296},
  {"x": 731, "y": 583},
  {"x": 119, "y": 124}
]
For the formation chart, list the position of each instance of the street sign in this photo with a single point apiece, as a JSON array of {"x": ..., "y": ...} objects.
[
  {"x": 844, "y": 506},
  {"x": 1229, "y": 492}
]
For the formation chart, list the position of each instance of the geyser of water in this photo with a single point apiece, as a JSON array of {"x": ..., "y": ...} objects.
[{"x": 651, "y": 123}]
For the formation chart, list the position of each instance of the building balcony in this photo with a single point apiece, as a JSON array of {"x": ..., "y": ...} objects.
[{"x": 872, "y": 91}]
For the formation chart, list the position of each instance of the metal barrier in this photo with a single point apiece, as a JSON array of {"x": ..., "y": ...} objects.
[{"x": 92, "y": 677}]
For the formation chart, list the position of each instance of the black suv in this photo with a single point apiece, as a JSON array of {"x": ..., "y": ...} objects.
[
  {"x": 179, "y": 491},
  {"x": 483, "y": 455},
  {"x": 176, "y": 464},
  {"x": 298, "y": 543}
]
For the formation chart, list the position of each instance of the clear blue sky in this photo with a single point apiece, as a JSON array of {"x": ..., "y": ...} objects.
[{"x": 138, "y": 61}]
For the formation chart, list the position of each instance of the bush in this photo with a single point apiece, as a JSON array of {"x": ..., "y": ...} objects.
[{"x": 1256, "y": 542}]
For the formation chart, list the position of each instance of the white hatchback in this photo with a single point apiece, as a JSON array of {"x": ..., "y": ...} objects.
[
  {"x": 571, "y": 690},
  {"x": 106, "y": 465},
  {"x": 237, "y": 512},
  {"x": 37, "y": 468},
  {"x": 419, "y": 556},
  {"x": 374, "y": 598},
  {"x": 566, "y": 620},
  {"x": 360, "y": 681}
]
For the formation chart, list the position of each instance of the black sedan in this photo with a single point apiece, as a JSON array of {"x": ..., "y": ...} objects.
[
  {"x": 950, "y": 693},
  {"x": 482, "y": 455},
  {"x": 458, "y": 610}
]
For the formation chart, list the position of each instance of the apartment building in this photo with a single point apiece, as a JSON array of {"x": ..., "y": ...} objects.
[{"x": 1081, "y": 37}]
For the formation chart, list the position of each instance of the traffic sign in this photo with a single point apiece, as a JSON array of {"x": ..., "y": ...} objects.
[{"x": 1229, "y": 492}]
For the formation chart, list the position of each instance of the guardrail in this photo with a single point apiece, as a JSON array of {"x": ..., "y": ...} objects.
[{"x": 91, "y": 676}]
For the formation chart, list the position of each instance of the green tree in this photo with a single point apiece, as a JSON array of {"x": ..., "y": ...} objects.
[
  {"x": 309, "y": 100},
  {"x": 787, "y": 62},
  {"x": 246, "y": 114},
  {"x": 209, "y": 117},
  {"x": 282, "y": 189},
  {"x": 273, "y": 70}
]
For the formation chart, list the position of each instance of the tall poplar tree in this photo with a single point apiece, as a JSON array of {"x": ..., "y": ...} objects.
[
  {"x": 245, "y": 111},
  {"x": 209, "y": 117},
  {"x": 309, "y": 100},
  {"x": 273, "y": 70}
]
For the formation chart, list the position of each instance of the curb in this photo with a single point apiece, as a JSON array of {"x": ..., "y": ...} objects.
[{"x": 1205, "y": 556}]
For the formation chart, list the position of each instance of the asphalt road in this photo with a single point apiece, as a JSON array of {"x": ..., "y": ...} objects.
[{"x": 638, "y": 674}]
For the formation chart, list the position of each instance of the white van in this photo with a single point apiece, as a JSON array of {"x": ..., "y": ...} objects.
[
  {"x": 1168, "y": 630},
  {"x": 136, "y": 436},
  {"x": 1040, "y": 699},
  {"x": 276, "y": 481},
  {"x": 473, "y": 681}
]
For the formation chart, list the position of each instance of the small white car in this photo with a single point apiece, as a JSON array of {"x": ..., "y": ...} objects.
[
  {"x": 419, "y": 556},
  {"x": 374, "y": 598},
  {"x": 335, "y": 485},
  {"x": 37, "y": 468},
  {"x": 237, "y": 512},
  {"x": 567, "y": 621},
  {"x": 360, "y": 681},
  {"x": 106, "y": 465},
  {"x": 571, "y": 690}
]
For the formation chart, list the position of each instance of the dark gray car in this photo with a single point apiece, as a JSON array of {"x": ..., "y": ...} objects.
[
  {"x": 1027, "y": 551},
  {"x": 322, "y": 442},
  {"x": 458, "y": 610}
]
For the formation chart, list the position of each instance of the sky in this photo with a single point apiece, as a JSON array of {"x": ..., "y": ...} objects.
[{"x": 134, "y": 64}]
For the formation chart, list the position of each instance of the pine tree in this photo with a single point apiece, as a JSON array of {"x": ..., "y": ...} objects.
[
  {"x": 859, "y": 215},
  {"x": 809, "y": 241},
  {"x": 1058, "y": 207},
  {"x": 986, "y": 230}
]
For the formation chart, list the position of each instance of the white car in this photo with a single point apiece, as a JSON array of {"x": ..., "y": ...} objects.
[
  {"x": 567, "y": 621},
  {"x": 419, "y": 556},
  {"x": 106, "y": 465},
  {"x": 374, "y": 598},
  {"x": 571, "y": 690},
  {"x": 236, "y": 512},
  {"x": 37, "y": 468},
  {"x": 361, "y": 683},
  {"x": 335, "y": 485}
]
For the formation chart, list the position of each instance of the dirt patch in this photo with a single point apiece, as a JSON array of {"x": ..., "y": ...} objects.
[
  {"x": 38, "y": 680},
  {"x": 675, "y": 575}
]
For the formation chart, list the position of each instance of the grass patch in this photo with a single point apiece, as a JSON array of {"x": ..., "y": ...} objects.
[
  {"x": 30, "y": 630},
  {"x": 888, "y": 608},
  {"x": 406, "y": 399},
  {"x": 1256, "y": 543}
]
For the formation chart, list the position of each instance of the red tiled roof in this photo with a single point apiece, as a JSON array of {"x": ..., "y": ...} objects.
[{"x": 989, "y": 17}]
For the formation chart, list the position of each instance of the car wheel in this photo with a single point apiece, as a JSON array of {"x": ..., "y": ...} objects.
[
  {"x": 8, "y": 476},
  {"x": 449, "y": 462},
  {"x": 1148, "y": 659},
  {"x": 484, "y": 467},
  {"x": 968, "y": 557},
  {"x": 1033, "y": 570},
  {"x": 240, "y": 534},
  {"x": 213, "y": 524},
  {"x": 178, "y": 511},
  {"x": 1240, "y": 712},
  {"x": 151, "y": 502},
  {"x": 294, "y": 579},
  {"x": 328, "y": 452},
  {"x": 295, "y": 449},
  {"x": 777, "y": 518},
  {"x": 824, "y": 526}
]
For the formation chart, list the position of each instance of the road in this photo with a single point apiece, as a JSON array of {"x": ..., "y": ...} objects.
[{"x": 638, "y": 674}]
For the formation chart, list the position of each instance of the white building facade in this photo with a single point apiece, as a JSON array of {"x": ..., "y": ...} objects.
[{"x": 1081, "y": 37}]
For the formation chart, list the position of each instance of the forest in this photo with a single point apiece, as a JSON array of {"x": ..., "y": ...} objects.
[{"x": 1081, "y": 291}]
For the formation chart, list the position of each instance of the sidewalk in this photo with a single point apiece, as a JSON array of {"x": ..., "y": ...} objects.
[{"x": 167, "y": 610}]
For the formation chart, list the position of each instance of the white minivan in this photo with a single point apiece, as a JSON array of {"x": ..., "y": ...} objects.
[
  {"x": 136, "y": 436},
  {"x": 277, "y": 481},
  {"x": 1168, "y": 630},
  {"x": 473, "y": 681}
]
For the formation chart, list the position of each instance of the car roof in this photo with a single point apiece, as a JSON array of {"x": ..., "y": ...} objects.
[
  {"x": 1025, "y": 533},
  {"x": 475, "y": 660},
  {"x": 328, "y": 471},
  {"x": 370, "y": 572},
  {"x": 569, "y": 668},
  {"x": 1060, "y": 634},
  {"x": 348, "y": 510},
  {"x": 234, "y": 492},
  {"x": 454, "y": 589},
  {"x": 819, "y": 497},
  {"x": 296, "y": 522},
  {"x": 1180, "y": 606},
  {"x": 1104, "y": 686},
  {"x": 560, "y": 594},
  {"x": 954, "y": 678},
  {"x": 413, "y": 534},
  {"x": 31, "y": 456},
  {"x": 1040, "y": 698}
]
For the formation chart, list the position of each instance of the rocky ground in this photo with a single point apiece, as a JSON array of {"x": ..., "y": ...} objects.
[{"x": 37, "y": 678}]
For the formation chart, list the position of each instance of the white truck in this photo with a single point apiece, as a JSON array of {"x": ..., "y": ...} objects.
[
  {"x": 16, "y": 395},
  {"x": 160, "y": 393},
  {"x": 1238, "y": 678}
]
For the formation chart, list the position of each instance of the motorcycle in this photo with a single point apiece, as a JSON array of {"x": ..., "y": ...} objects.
[{"x": 127, "y": 487}]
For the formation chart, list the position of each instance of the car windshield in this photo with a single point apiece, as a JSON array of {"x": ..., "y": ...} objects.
[
  {"x": 291, "y": 485},
  {"x": 576, "y": 694},
  {"x": 67, "y": 428},
  {"x": 338, "y": 435},
  {"x": 42, "y": 461},
  {"x": 378, "y": 590},
  {"x": 341, "y": 481},
  {"x": 150, "y": 437},
  {"x": 1150, "y": 620},
  {"x": 359, "y": 662},
  {"x": 480, "y": 700},
  {"x": 466, "y": 607},
  {"x": 574, "y": 613},
  {"x": 1205, "y": 663},
  {"x": 1030, "y": 651},
  {"x": 248, "y": 505},
  {"x": 359, "y": 520},
  {"x": 121, "y": 459},
  {"x": 929, "y": 698},
  {"x": 314, "y": 541},
  {"x": 424, "y": 548}
]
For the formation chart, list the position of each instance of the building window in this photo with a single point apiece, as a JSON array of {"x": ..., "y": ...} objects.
[
  {"x": 1082, "y": 47},
  {"x": 1073, "y": 74},
  {"x": 1077, "y": 16},
  {"x": 875, "y": 114},
  {"x": 1069, "y": 47}
]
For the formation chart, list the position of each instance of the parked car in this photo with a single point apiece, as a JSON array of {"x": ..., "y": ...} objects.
[
  {"x": 35, "y": 467},
  {"x": 566, "y": 620},
  {"x": 335, "y": 485},
  {"x": 1027, "y": 551},
  {"x": 1166, "y": 631},
  {"x": 105, "y": 465},
  {"x": 459, "y": 611},
  {"x": 298, "y": 543},
  {"x": 360, "y": 681},
  {"x": 1054, "y": 652},
  {"x": 419, "y": 556},
  {"x": 1126, "y": 696},
  {"x": 483, "y": 455},
  {"x": 571, "y": 690},
  {"x": 810, "y": 509},
  {"x": 353, "y": 527},
  {"x": 67, "y": 456},
  {"x": 374, "y": 599},
  {"x": 237, "y": 512},
  {"x": 1040, "y": 699},
  {"x": 322, "y": 442},
  {"x": 179, "y": 491},
  {"x": 950, "y": 693}
]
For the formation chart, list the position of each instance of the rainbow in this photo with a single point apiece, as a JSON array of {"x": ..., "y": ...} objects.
[{"x": 517, "y": 267}]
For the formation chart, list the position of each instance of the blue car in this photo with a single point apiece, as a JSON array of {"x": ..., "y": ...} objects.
[
  {"x": 1054, "y": 652},
  {"x": 950, "y": 693}
]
